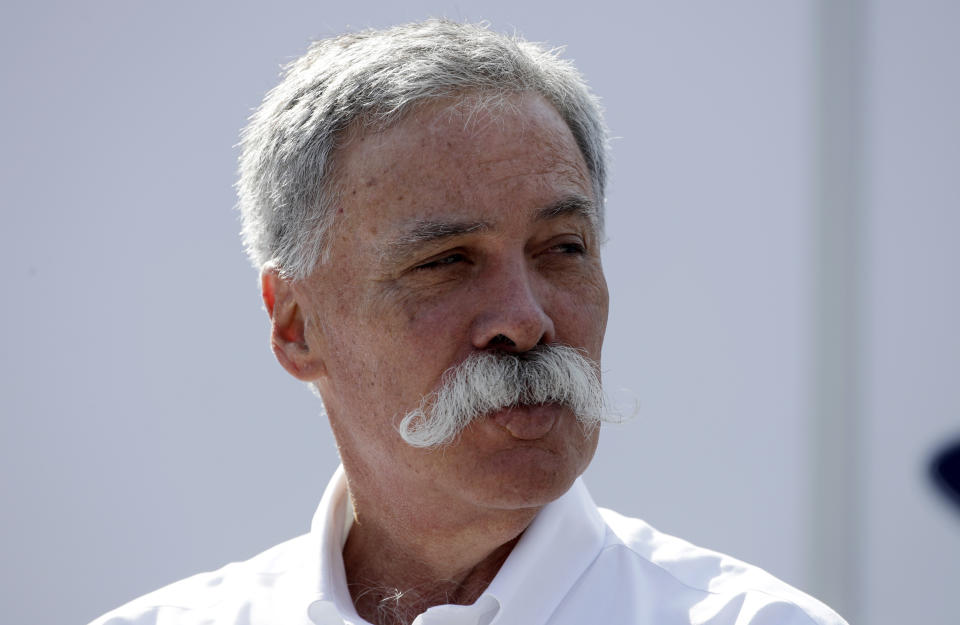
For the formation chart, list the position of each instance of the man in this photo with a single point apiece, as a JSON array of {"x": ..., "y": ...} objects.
[{"x": 425, "y": 206}]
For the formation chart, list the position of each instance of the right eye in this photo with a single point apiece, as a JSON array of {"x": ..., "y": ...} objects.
[{"x": 443, "y": 261}]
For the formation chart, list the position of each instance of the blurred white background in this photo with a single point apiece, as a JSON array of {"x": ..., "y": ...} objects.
[{"x": 783, "y": 260}]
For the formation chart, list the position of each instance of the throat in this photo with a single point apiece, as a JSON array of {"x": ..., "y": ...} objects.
[
  {"x": 384, "y": 605},
  {"x": 396, "y": 595}
]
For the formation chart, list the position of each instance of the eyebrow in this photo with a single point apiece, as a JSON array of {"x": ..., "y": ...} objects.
[
  {"x": 573, "y": 205},
  {"x": 426, "y": 232}
]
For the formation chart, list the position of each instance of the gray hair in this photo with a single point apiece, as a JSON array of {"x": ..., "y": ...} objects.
[
  {"x": 287, "y": 188},
  {"x": 489, "y": 381}
]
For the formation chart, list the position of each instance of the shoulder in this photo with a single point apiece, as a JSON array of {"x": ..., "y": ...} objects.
[
  {"x": 210, "y": 596},
  {"x": 719, "y": 588}
]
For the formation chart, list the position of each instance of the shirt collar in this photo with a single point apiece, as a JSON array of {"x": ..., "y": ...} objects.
[
  {"x": 331, "y": 524},
  {"x": 561, "y": 542},
  {"x": 554, "y": 551}
]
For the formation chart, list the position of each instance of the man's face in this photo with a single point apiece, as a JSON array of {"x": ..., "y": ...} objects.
[{"x": 458, "y": 231}]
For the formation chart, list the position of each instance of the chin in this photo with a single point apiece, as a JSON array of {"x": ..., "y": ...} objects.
[{"x": 528, "y": 476}]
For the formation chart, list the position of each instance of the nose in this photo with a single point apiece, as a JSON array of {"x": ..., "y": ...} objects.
[{"x": 512, "y": 316}]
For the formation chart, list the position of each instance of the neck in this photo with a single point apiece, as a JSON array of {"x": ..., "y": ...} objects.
[{"x": 399, "y": 567}]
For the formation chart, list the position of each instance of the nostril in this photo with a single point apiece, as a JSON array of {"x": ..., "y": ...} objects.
[{"x": 502, "y": 339}]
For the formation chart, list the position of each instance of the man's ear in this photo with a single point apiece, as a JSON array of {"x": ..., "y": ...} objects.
[{"x": 288, "y": 337}]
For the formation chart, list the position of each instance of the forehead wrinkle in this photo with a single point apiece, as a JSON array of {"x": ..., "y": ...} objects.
[{"x": 553, "y": 163}]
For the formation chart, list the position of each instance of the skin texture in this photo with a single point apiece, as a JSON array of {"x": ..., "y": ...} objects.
[{"x": 445, "y": 244}]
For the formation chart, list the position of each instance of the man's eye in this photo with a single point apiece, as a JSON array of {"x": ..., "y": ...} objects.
[
  {"x": 443, "y": 261},
  {"x": 570, "y": 248}
]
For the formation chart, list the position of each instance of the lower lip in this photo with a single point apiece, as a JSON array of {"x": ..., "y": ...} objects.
[{"x": 527, "y": 422}]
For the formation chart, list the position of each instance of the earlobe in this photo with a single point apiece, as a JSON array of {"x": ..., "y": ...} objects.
[{"x": 288, "y": 331}]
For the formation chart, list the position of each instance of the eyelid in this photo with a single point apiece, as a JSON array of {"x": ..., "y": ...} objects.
[
  {"x": 573, "y": 243},
  {"x": 573, "y": 246},
  {"x": 440, "y": 260}
]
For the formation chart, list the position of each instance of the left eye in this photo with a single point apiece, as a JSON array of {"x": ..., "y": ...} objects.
[{"x": 569, "y": 248}]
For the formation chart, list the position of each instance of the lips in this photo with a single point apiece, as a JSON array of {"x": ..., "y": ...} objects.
[{"x": 528, "y": 422}]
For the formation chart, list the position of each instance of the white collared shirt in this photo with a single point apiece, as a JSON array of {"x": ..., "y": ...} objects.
[{"x": 575, "y": 565}]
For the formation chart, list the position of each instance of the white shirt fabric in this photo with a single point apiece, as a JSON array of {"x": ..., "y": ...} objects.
[{"x": 576, "y": 564}]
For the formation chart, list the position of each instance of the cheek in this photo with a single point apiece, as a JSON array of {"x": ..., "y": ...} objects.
[
  {"x": 421, "y": 307},
  {"x": 581, "y": 317},
  {"x": 400, "y": 346},
  {"x": 432, "y": 315}
]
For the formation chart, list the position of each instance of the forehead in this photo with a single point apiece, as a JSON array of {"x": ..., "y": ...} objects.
[{"x": 466, "y": 156}]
